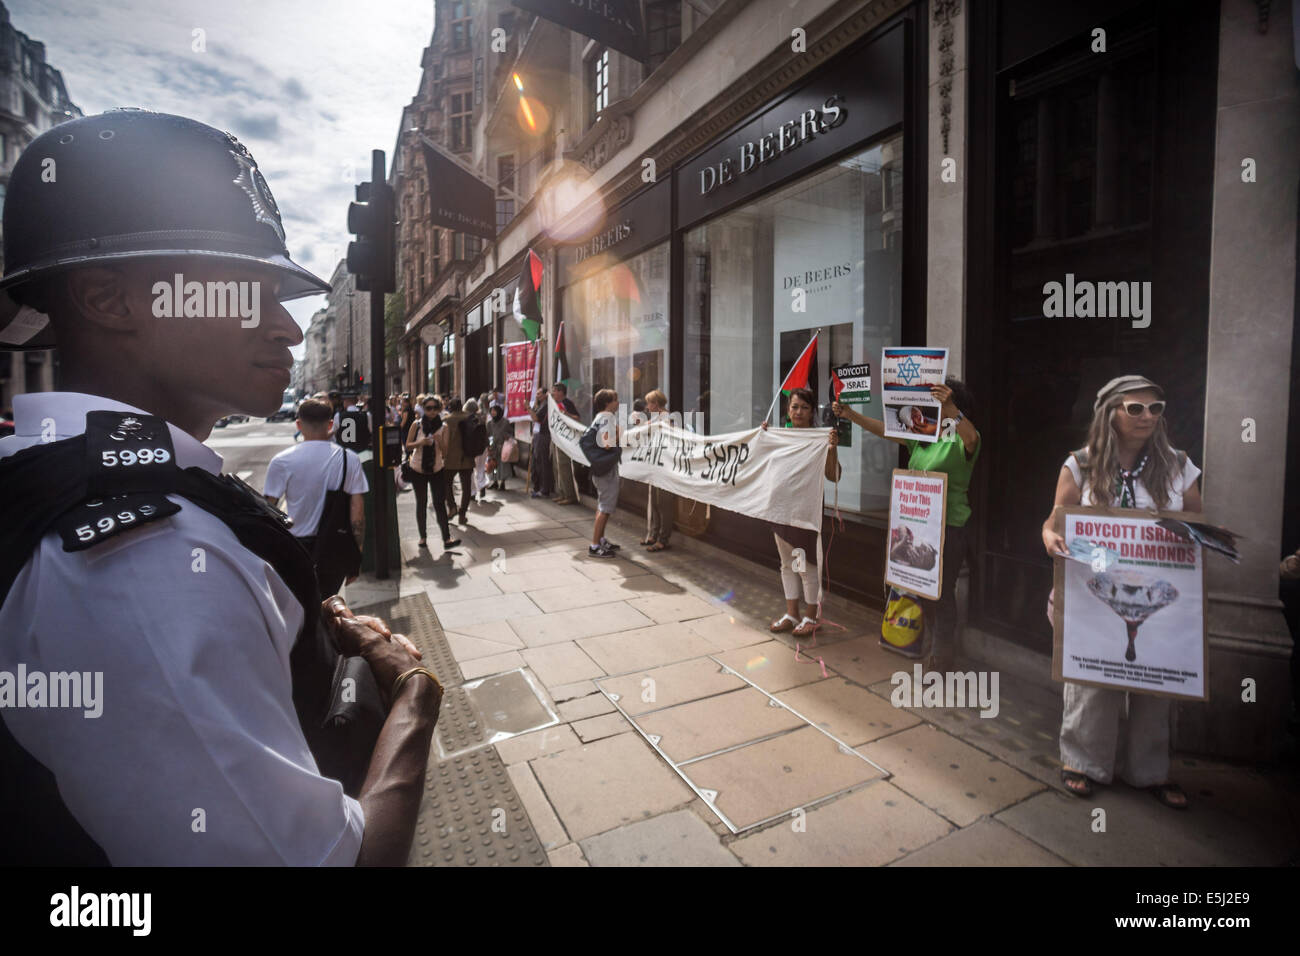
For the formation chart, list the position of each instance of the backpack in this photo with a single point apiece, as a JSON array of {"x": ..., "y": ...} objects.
[
  {"x": 602, "y": 459},
  {"x": 360, "y": 430},
  {"x": 473, "y": 436}
]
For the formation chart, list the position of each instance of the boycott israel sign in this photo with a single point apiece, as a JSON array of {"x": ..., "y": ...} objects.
[
  {"x": 521, "y": 374},
  {"x": 773, "y": 474},
  {"x": 918, "y": 508},
  {"x": 1130, "y": 608}
]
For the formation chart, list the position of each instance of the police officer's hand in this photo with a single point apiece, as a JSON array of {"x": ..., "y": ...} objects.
[{"x": 388, "y": 654}]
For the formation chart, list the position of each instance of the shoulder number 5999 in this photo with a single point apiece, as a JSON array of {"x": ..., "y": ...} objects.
[{"x": 145, "y": 456}]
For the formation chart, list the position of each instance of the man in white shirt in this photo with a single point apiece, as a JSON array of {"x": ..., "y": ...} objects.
[
  {"x": 199, "y": 753},
  {"x": 305, "y": 474}
]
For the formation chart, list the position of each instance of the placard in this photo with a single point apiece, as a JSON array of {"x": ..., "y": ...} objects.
[
  {"x": 856, "y": 382},
  {"x": 906, "y": 375},
  {"x": 521, "y": 379},
  {"x": 918, "y": 514},
  {"x": 1130, "y": 611}
]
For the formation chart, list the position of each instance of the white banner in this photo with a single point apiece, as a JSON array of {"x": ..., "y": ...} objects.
[{"x": 774, "y": 475}]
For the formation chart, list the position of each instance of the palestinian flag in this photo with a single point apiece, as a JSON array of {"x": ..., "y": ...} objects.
[
  {"x": 798, "y": 377},
  {"x": 562, "y": 372},
  {"x": 836, "y": 385},
  {"x": 527, "y": 306}
]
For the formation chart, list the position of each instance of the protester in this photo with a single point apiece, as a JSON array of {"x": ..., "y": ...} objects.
[
  {"x": 426, "y": 443},
  {"x": 1128, "y": 464},
  {"x": 954, "y": 453},
  {"x": 478, "y": 438},
  {"x": 539, "y": 456},
  {"x": 602, "y": 448},
  {"x": 562, "y": 465},
  {"x": 663, "y": 504},
  {"x": 500, "y": 431},
  {"x": 459, "y": 463},
  {"x": 311, "y": 477},
  {"x": 800, "y": 569}
]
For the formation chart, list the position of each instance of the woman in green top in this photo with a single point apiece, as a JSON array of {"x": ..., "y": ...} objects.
[{"x": 954, "y": 453}]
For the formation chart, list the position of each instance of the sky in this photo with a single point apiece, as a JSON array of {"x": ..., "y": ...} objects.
[{"x": 309, "y": 86}]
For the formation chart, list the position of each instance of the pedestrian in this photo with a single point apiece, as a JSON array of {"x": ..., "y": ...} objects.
[
  {"x": 478, "y": 438},
  {"x": 323, "y": 487},
  {"x": 459, "y": 463},
  {"x": 539, "y": 456},
  {"x": 601, "y": 445},
  {"x": 406, "y": 416},
  {"x": 796, "y": 546},
  {"x": 352, "y": 425},
  {"x": 205, "y": 625},
  {"x": 954, "y": 453},
  {"x": 501, "y": 438},
  {"x": 561, "y": 464},
  {"x": 1126, "y": 464},
  {"x": 426, "y": 443},
  {"x": 663, "y": 503}
]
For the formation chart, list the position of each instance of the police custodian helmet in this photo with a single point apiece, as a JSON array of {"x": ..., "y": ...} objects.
[{"x": 130, "y": 183}]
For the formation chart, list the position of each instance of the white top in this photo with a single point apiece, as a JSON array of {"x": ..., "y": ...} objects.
[
  {"x": 606, "y": 424},
  {"x": 302, "y": 474},
  {"x": 197, "y": 705},
  {"x": 1141, "y": 497}
]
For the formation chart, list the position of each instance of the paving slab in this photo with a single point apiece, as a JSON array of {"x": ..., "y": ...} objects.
[
  {"x": 644, "y": 647},
  {"x": 568, "y": 855},
  {"x": 535, "y": 580},
  {"x": 679, "y": 838},
  {"x": 985, "y": 843},
  {"x": 565, "y": 692},
  {"x": 559, "y": 664},
  {"x": 456, "y": 615},
  {"x": 948, "y": 775},
  {"x": 870, "y": 827},
  {"x": 771, "y": 666},
  {"x": 592, "y": 705},
  {"x": 602, "y": 569},
  {"x": 486, "y": 666},
  {"x": 673, "y": 684},
  {"x": 537, "y": 630},
  {"x": 607, "y": 784},
  {"x": 537, "y": 744},
  {"x": 715, "y": 723},
  {"x": 466, "y": 648},
  {"x": 587, "y": 593},
  {"x": 861, "y": 660},
  {"x": 498, "y": 632},
  {"x": 596, "y": 728},
  {"x": 446, "y": 590},
  {"x": 726, "y": 631},
  {"x": 774, "y": 776},
  {"x": 672, "y": 607},
  {"x": 540, "y": 813},
  {"x": 511, "y": 564},
  {"x": 853, "y": 714}
]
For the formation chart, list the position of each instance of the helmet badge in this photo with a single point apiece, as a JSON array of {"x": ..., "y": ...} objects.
[{"x": 251, "y": 181}]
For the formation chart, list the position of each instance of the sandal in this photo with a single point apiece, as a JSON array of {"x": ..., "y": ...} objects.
[
  {"x": 657, "y": 546},
  {"x": 1077, "y": 783},
  {"x": 779, "y": 626},
  {"x": 1166, "y": 794},
  {"x": 807, "y": 627},
  {"x": 646, "y": 542}
]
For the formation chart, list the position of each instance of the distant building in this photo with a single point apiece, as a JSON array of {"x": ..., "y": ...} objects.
[{"x": 32, "y": 99}]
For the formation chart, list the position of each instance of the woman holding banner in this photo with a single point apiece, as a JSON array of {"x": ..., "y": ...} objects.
[
  {"x": 663, "y": 504},
  {"x": 1127, "y": 463},
  {"x": 796, "y": 545},
  {"x": 954, "y": 453}
]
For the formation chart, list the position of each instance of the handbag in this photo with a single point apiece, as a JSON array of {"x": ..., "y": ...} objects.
[
  {"x": 510, "y": 450},
  {"x": 336, "y": 551},
  {"x": 903, "y": 624}
]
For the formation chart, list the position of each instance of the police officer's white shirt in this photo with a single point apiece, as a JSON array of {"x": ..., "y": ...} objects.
[
  {"x": 197, "y": 697},
  {"x": 302, "y": 474}
]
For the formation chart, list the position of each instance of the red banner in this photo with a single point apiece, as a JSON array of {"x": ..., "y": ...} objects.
[{"x": 521, "y": 378}]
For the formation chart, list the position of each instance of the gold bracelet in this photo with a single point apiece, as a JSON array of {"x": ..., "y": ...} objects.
[{"x": 403, "y": 677}]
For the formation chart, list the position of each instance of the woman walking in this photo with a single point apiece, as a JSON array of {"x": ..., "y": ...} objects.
[
  {"x": 1127, "y": 463},
  {"x": 798, "y": 571},
  {"x": 954, "y": 453},
  {"x": 426, "y": 440}
]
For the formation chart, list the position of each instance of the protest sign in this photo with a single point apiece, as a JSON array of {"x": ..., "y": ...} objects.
[
  {"x": 906, "y": 375},
  {"x": 852, "y": 384},
  {"x": 566, "y": 432},
  {"x": 1130, "y": 607},
  {"x": 918, "y": 509},
  {"x": 521, "y": 379}
]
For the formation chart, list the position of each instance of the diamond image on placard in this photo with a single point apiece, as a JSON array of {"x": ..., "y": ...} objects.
[{"x": 1134, "y": 596}]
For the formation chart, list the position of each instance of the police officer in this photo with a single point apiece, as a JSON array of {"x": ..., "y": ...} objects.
[{"x": 149, "y": 247}]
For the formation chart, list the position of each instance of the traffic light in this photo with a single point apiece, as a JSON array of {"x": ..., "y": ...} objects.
[{"x": 372, "y": 257}]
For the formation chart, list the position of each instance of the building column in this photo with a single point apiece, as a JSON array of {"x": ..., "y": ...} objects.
[
  {"x": 1252, "y": 310},
  {"x": 946, "y": 208}
]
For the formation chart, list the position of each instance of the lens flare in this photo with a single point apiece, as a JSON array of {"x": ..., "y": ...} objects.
[{"x": 754, "y": 663}]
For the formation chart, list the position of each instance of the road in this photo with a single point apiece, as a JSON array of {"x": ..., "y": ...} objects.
[{"x": 247, "y": 448}]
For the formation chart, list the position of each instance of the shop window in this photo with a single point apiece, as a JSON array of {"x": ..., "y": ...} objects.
[
  {"x": 832, "y": 241},
  {"x": 616, "y": 329}
]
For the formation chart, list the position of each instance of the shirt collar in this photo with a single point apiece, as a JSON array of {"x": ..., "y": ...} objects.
[{"x": 68, "y": 411}]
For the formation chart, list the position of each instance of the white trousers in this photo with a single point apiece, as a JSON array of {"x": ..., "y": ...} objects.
[
  {"x": 808, "y": 576},
  {"x": 1105, "y": 736}
]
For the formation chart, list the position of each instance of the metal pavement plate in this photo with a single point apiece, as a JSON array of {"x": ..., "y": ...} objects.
[{"x": 504, "y": 706}]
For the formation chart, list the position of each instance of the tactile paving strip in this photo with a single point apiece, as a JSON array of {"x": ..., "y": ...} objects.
[{"x": 470, "y": 814}]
